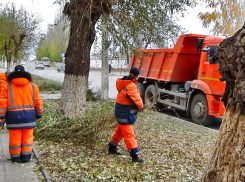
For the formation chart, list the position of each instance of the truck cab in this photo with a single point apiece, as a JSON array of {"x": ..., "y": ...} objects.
[{"x": 209, "y": 67}]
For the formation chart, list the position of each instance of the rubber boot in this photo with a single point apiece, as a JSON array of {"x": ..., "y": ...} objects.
[
  {"x": 113, "y": 150},
  {"x": 136, "y": 158}
]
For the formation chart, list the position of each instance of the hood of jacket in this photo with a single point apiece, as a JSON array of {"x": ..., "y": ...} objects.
[
  {"x": 122, "y": 82},
  {"x": 19, "y": 78},
  {"x": 3, "y": 76}
]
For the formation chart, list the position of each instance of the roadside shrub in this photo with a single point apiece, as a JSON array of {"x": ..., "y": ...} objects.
[
  {"x": 93, "y": 96},
  {"x": 46, "y": 85},
  {"x": 50, "y": 86}
]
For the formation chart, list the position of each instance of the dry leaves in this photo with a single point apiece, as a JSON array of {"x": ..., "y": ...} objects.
[{"x": 173, "y": 149}]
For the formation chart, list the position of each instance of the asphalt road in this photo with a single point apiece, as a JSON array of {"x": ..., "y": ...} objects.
[
  {"x": 181, "y": 115},
  {"x": 94, "y": 77}
]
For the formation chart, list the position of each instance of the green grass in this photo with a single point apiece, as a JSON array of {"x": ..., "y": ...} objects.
[
  {"x": 54, "y": 87},
  {"x": 46, "y": 85}
]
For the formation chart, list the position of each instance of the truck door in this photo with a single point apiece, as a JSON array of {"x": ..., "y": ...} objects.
[{"x": 209, "y": 70}]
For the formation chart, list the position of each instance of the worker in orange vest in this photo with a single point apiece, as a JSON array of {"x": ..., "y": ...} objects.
[
  {"x": 128, "y": 103},
  {"x": 20, "y": 105},
  {"x": 3, "y": 79}
]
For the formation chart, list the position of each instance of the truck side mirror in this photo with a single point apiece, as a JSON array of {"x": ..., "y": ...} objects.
[{"x": 199, "y": 42}]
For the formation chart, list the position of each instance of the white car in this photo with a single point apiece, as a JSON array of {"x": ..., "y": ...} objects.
[
  {"x": 39, "y": 65},
  {"x": 23, "y": 62}
]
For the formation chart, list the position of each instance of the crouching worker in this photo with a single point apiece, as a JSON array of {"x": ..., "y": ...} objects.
[
  {"x": 20, "y": 105},
  {"x": 128, "y": 103}
]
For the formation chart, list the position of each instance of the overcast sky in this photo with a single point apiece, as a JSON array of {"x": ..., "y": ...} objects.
[
  {"x": 191, "y": 23},
  {"x": 47, "y": 11}
]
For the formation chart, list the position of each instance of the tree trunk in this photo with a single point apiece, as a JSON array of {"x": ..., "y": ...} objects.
[
  {"x": 227, "y": 162},
  {"x": 104, "y": 68},
  {"x": 74, "y": 95},
  {"x": 8, "y": 66},
  {"x": 128, "y": 56},
  {"x": 8, "y": 53},
  {"x": 16, "y": 51},
  {"x": 82, "y": 35},
  {"x": 17, "y": 45}
]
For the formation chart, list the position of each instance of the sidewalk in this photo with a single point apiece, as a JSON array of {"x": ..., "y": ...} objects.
[
  {"x": 50, "y": 96},
  {"x": 14, "y": 172}
]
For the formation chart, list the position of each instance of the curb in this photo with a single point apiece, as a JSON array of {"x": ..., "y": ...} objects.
[{"x": 44, "y": 171}]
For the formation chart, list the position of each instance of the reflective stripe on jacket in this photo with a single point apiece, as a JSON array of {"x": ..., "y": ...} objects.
[
  {"x": 20, "y": 104},
  {"x": 128, "y": 102}
]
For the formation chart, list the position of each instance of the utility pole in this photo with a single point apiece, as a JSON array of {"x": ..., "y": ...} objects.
[{"x": 104, "y": 60}]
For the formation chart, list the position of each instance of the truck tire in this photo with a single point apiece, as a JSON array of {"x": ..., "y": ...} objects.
[
  {"x": 199, "y": 110},
  {"x": 151, "y": 96},
  {"x": 141, "y": 88}
]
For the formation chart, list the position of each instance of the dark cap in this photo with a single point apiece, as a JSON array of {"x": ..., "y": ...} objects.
[
  {"x": 135, "y": 71},
  {"x": 19, "y": 68}
]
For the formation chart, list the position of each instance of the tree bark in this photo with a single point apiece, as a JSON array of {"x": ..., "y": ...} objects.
[
  {"x": 8, "y": 53},
  {"x": 83, "y": 14},
  {"x": 74, "y": 95},
  {"x": 227, "y": 161},
  {"x": 17, "y": 45},
  {"x": 104, "y": 67}
]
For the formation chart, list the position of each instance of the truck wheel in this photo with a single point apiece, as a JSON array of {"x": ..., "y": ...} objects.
[
  {"x": 141, "y": 88},
  {"x": 151, "y": 96},
  {"x": 199, "y": 110}
]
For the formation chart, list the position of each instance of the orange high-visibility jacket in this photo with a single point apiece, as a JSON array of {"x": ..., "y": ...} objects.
[
  {"x": 128, "y": 101},
  {"x": 20, "y": 102},
  {"x": 3, "y": 80}
]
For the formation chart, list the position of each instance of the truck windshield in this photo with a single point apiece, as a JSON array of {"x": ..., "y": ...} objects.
[
  {"x": 45, "y": 60},
  {"x": 211, "y": 53}
]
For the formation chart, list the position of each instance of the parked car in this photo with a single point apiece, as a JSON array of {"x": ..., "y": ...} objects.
[
  {"x": 61, "y": 68},
  {"x": 39, "y": 65},
  {"x": 23, "y": 62}
]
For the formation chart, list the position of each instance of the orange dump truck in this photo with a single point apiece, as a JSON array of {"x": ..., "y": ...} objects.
[{"x": 184, "y": 77}]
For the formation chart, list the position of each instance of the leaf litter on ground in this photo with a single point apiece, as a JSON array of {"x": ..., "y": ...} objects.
[{"x": 77, "y": 150}]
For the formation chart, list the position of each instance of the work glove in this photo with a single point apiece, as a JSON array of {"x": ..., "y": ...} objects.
[{"x": 2, "y": 122}]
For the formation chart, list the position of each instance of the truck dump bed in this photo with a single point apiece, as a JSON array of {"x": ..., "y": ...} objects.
[{"x": 178, "y": 64}]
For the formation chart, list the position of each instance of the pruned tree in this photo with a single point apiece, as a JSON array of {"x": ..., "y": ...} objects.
[
  {"x": 85, "y": 14},
  {"x": 142, "y": 24},
  {"x": 226, "y": 17},
  {"x": 227, "y": 162}
]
